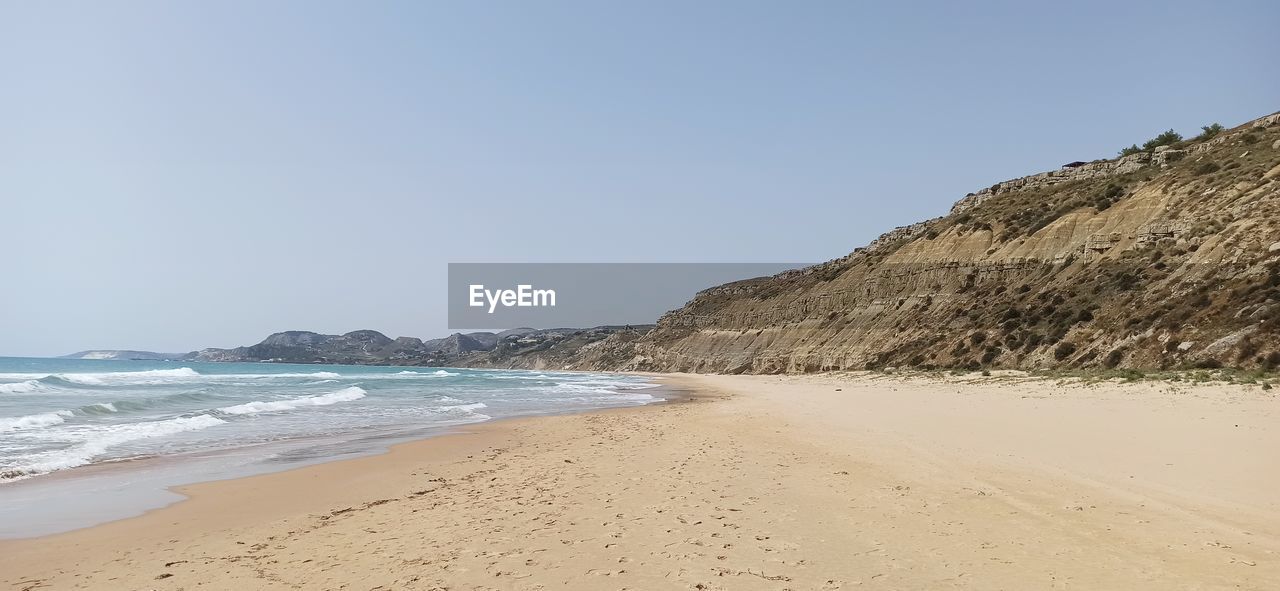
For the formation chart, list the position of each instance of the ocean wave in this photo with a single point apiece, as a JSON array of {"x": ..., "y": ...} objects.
[
  {"x": 602, "y": 387},
  {"x": 634, "y": 385},
  {"x": 616, "y": 384},
  {"x": 319, "y": 375},
  {"x": 98, "y": 379},
  {"x": 439, "y": 373},
  {"x": 539, "y": 376},
  {"x": 76, "y": 379},
  {"x": 637, "y": 397},
  {"x": 40, "y": 380},
  {"x": 99, "y": 408},
  {"x": 23, "y": 387},
  {"x": 465, "y": 413},
  {"x": 45, "y": 419},
  {"x": 474, "y": 406},
  {"x": 606, "y": 399},
  {"x": 586, "y": 388},
  {"x": 256, "y": 407},
  {"x": 145, "y": 404},
  {"x": 98, "y": 441}
]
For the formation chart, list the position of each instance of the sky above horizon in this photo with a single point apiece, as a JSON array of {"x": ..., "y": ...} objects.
[{"x": 180, "y": 175}]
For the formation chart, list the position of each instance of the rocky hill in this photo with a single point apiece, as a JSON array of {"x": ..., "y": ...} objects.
[
  {"x": 559, "y": 348},
  {"x": 599, "y": 348},
  {"x": 1166, "y": 257},
  {"x": 300, "y": 346}
]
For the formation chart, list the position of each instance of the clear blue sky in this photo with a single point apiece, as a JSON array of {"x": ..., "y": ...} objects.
[{"x": 176, "y": 175}]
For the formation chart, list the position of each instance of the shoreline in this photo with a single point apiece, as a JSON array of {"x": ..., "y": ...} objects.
[
  {"x": 173, "y": 475},
  {"x": 753, "y": 482}
]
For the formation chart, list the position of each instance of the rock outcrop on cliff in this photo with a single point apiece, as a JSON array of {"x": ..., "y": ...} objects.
[{"x": 1165, "y": 258}]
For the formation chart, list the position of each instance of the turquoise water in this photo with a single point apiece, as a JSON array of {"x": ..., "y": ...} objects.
[{"x": 58, "y": 415}]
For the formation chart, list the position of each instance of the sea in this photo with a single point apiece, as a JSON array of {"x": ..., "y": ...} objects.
[{"x": 86, "y": 441}]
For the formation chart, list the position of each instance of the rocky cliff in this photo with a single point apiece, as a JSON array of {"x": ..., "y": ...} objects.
[{"x": 1164, "y": 258}]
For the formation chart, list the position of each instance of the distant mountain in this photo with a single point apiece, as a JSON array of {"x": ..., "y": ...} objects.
[
  {"x": 123, "y": 355},
  {"x": 558, "y": 348},
  {"x": 360, "y": 347}
]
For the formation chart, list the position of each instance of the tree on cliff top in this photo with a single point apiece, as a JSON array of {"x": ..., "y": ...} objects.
[
  {"x": 1209, "y": 131},
  {"x": 1164, "y": 139}
]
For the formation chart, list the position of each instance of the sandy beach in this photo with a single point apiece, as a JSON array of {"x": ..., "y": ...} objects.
[{"x": 754, "y": 482}]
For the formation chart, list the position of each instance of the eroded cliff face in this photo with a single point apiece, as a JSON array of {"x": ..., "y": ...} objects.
[{"x": 1161, "y": 259}]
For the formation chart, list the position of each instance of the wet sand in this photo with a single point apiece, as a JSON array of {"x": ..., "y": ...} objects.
[{"x": 758, "y": 482}]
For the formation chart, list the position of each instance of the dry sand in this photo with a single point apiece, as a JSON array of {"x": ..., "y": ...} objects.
[{"x": 825, "y": 482}]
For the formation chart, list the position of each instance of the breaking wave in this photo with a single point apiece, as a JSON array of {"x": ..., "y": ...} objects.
[
  {"x": 97, "y": 441},
  {"x": 125, "y": 377},
  {"x": 256, "y": 407},
  {"x": 41, "y": 382},
  {"x": 35, "y": 421},
  {"x": 23, "y": 387},
  {"x": 99, "y": 408},
  {"x": 466, "y": 412}
]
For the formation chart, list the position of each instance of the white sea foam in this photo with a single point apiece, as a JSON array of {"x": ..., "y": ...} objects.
[
  {"x": 324, "y": 375},
  {"x": 181, "y": 372},
  {"x": 584, "y": 388},
  {"x": 602, "y": 386},
  {"x": 463, "y": 407},
  {"x": 464, "y": 412},
  {"x": 98, "y": 441},
  {"x": 442, "y": 373},
  {"x": 536, "y": 377},
  {"x": 107, "y": 406},
  {"x": 150, "y": 376},
  {"x": 23, "y": 387},
  {"x": 82, "y": 379},
  {"x": 256, "y": 407},
  {"x": 638, "y": 398},
  {"x": 320, "y": 375},
  {"x": 45, "y": 419}
]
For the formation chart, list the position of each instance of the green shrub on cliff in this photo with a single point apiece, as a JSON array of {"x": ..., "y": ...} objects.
[
  {"x": 1167, "y": 138},
  {"x": 1209, "y": 131}
]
